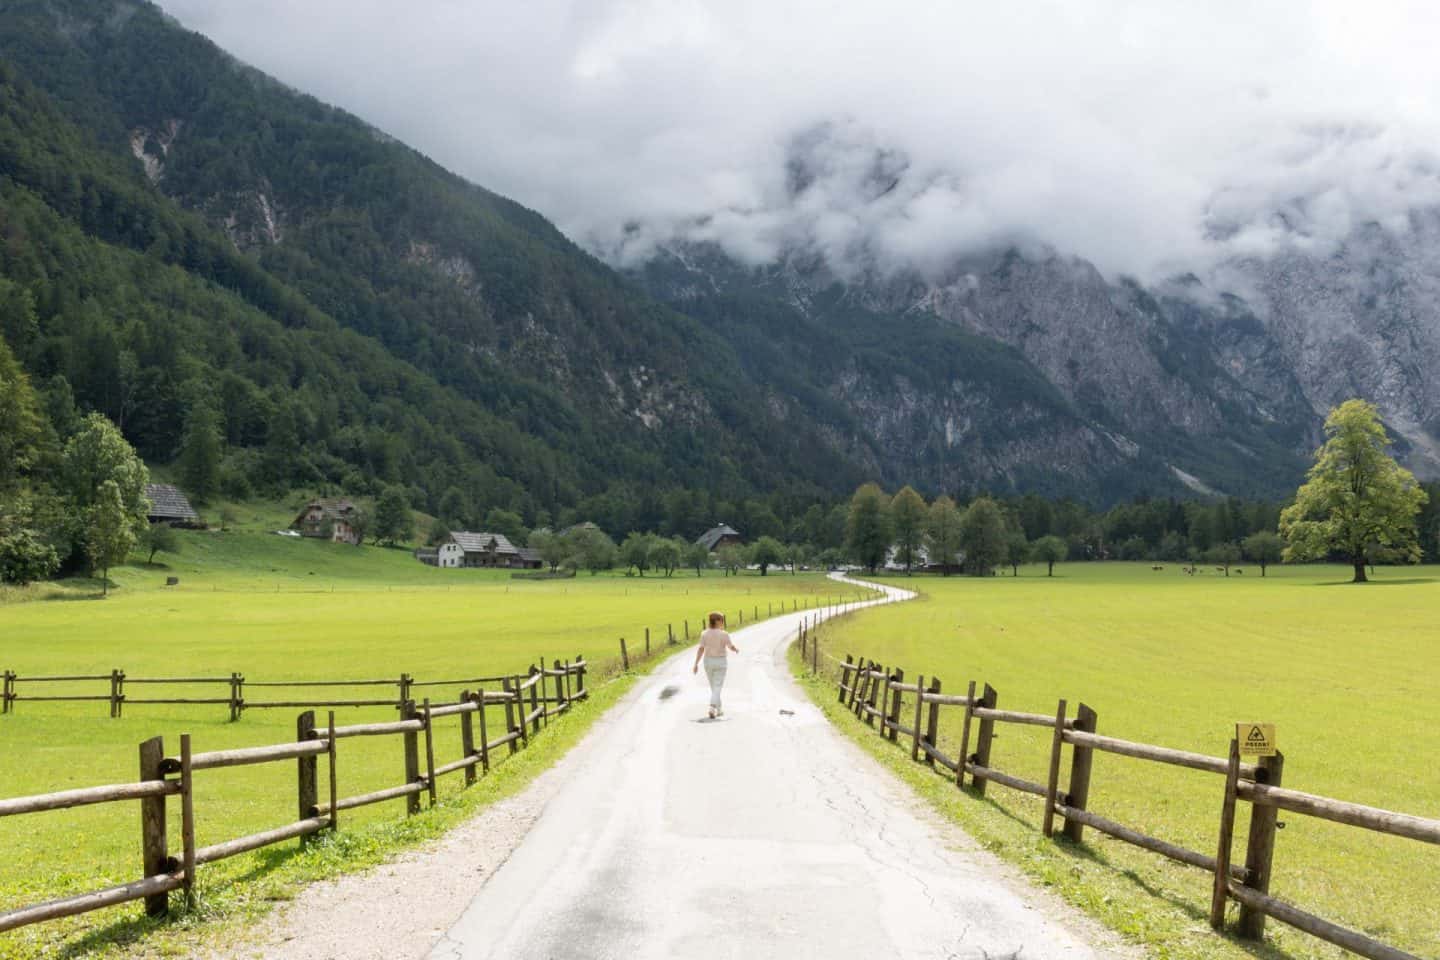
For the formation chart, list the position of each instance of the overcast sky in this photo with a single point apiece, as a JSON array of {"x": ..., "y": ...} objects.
[{"x": 1145, "y": 135}]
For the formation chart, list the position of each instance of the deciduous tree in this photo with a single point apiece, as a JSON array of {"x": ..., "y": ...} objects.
[
  {"x": 766, "y": 553},
  {"x": 1355, "y": 498},
  {"x": 109, "y": 532},
  {"x": 157, "y": 537},
  {"x": 943, "y": 529},
  {"x": 1264, "y": 548},
  {"x": 867, "y": 529},
  {"x": 983, "y": 535},
  {"x": 1049, "y": 550},
  {"x": 907, "y": 520}
]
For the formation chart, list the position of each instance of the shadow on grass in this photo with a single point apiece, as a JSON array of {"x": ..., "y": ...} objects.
[{"x": 1404, "y": 581}]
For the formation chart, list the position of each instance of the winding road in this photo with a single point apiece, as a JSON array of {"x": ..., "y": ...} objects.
[{"x": 761, "y": 834}]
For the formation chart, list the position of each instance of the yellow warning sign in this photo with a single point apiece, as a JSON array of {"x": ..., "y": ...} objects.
[{"x": 1256, "y": 739}]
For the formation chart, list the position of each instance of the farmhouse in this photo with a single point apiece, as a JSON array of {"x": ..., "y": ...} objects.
[
  {"x": 169, "y": 505},
  {"x": 465, "y": 549},
  {"x": 331, "y": 518},
  {"x": 721, "y": 536}
]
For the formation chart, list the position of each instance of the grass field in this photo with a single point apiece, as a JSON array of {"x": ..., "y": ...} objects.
[
  {"x": 1351, "y": 675},
  {"x": 279, "y": 608}
]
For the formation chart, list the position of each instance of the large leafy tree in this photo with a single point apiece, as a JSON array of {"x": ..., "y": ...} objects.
[
  {"x": 907, "y": 517},
  {"x": 984, "y": 537},
  {"x": 943, "y": 533},
  {"x": 868, "y": 530},
  {"x": 1356, "y": 500},
  {"x": 635, "y": 552},
  {"x": 97, "y": 454}
]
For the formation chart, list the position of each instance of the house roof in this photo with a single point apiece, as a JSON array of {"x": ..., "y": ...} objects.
[
  {"x": 480, "y": 542},
  {"x": 715, "y": 534},
  {"x": 168, "y": 503},
  {"x": 331, "y": 508},
  {"x": 530, "y": 555}
]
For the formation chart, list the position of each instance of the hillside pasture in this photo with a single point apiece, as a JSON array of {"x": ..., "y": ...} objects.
[
  {"x": 277, "y": 608},
  {"x": 1349, "y": 673}
]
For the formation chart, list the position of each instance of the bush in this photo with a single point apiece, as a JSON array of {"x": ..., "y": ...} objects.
[{"x": 25, "y": 558}]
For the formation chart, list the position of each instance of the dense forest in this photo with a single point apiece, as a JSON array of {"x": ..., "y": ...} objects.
[{"x": 181, "y": 230}]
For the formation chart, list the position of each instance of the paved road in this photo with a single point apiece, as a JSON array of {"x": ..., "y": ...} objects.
[{"x": 762, "y": 834}]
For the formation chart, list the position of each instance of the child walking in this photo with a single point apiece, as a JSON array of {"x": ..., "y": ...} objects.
[{"x": 714, "y": 646}]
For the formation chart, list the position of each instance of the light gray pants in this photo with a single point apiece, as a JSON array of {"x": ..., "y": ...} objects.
[{"x": 715, "y": 672}]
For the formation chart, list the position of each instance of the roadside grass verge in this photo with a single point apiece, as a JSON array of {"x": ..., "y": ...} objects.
[
  {"x": 233, "y": 893},
  {"x": 1348, "y": 674}
]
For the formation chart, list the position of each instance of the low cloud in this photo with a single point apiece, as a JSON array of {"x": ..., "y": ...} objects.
[{"x": 1149, "y": 137}]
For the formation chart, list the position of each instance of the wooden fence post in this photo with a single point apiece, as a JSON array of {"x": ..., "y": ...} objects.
[
  {"x": 404, "y": 685},
  {"x": 467, "y": 738},
  {"x": 334, "y": 790},
  {"x": 919, "y": 707},
  {"x": 964, "y": 757},
  {"x": 984, "y": 738},
  {"x": 234, "y": 697},
  {"x": 624, "y": 656},
  {"x": 647, "y": 644},
  {"x": 429, "y": 754},
  {"x": 153, "y": 850},
  {"x": 670, "y": 634},
  {"x": 897, "y": 697},
  {"x": 187, "y": 820},
  {"x": 411, "y": 743},
  {"x": 534, "y": 699},
  {"x": 520, "y": 712},
  {"x": 484, "y": 737},
  {"x": 7, "y": 692},
  {"x": 1052, "y": 786},
  {"x": 932, "y": 724},
  {"x": 306, "y": 782},
  {"x": 1260, "y": 850},
  {"x": 544, "y": 698},
  {"x": 114, "y": 693},
  {"x": 510, "y": 698},
  {"x": 1227, "y": 835},
  {"x": 844, "y": 674},
  {"x": 814, "y": 655},
  {"x": 1082, "y": 759},
  {"x": 580, "y": 677},
  {"x": 687, "y": 633},
  {"x": 878, "y": 682}
]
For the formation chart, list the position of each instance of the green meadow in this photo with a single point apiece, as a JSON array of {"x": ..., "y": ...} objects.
[
  {"x": 277, "y": 608},
  {"x": 1349, "y": 673}
]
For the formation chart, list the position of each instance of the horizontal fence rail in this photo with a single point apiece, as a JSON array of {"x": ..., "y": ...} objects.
[
  {"x": 527, "y": 702},
  {"x": 283, "y": 694},
  {"x": 881, "y": 698}
]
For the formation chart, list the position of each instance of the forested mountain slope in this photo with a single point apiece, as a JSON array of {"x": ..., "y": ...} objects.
[{"x": 178, "y": 228}]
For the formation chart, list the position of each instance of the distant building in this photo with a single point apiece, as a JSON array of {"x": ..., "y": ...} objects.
[
  {"x": 330, "y": 517},
  {"x": 169, "y": 505},
  {"x": 721, "y": 536},
  {"x": 430, "y": 556},
  {"x": 465, "y": 549}
]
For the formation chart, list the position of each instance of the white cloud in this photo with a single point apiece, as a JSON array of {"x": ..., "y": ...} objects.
[{"x": 1145, "y": 135}]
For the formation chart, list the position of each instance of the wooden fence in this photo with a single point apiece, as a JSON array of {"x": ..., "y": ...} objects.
[
  {"x": 881, "y": 698},
  {"x": 528, "y": 702},
  {"x": 238, "y": 694}
]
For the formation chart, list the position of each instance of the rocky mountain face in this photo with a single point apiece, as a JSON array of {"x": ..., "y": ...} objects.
[{"x": 1186, "y": 385}]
